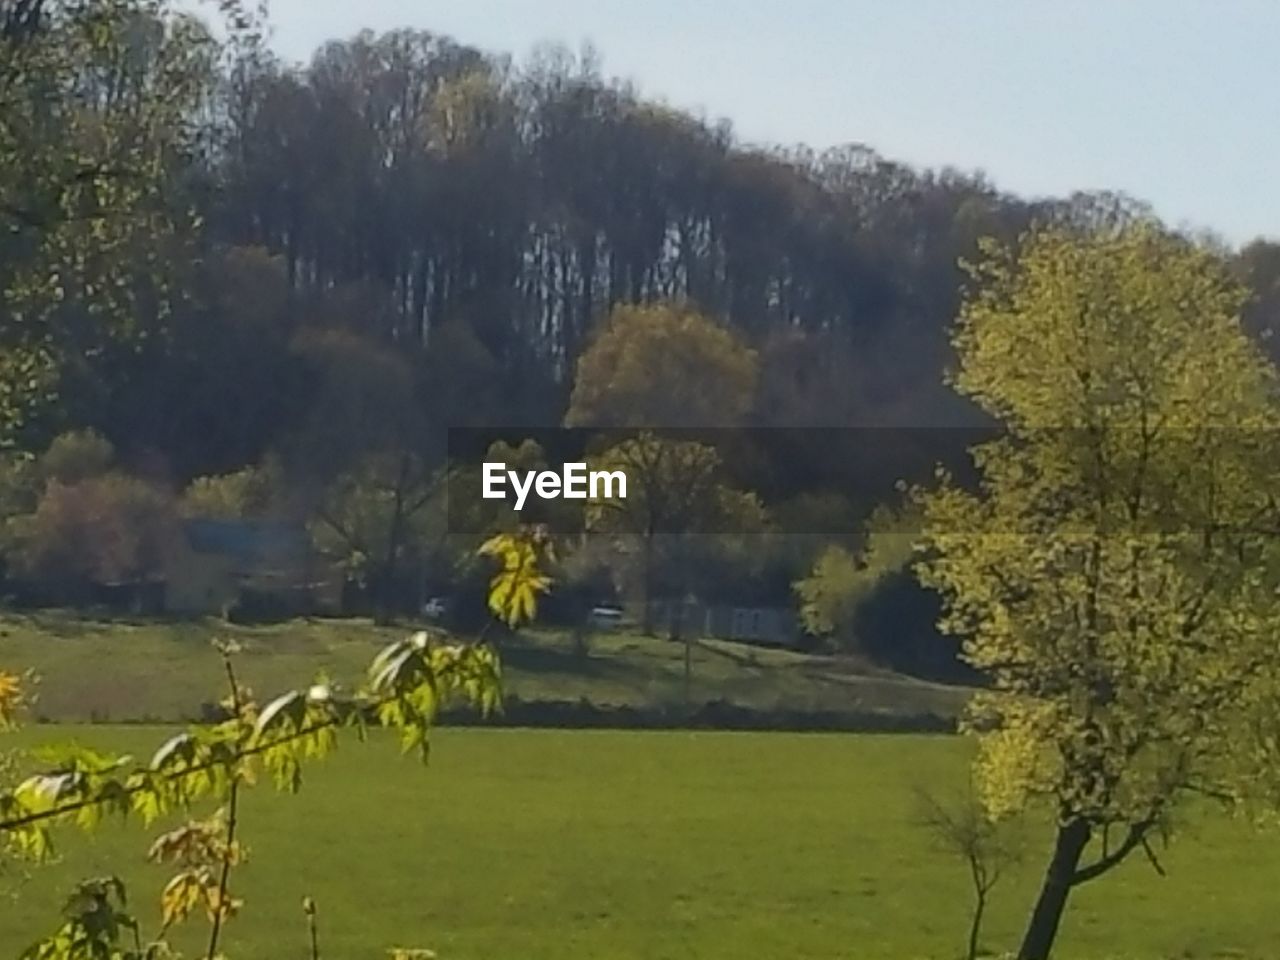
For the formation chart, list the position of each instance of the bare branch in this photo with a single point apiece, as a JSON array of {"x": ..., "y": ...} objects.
[
  {"x": 1151, "y": 856},
  {"x": 1135, "y": 838}
]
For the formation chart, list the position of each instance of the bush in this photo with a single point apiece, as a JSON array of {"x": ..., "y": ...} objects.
[
  {"x": 250, "y": 492},
  {"x": 111, "y": 529},
  {"x": 713, "y": 715},
  {"x": 77, "y": 456}
]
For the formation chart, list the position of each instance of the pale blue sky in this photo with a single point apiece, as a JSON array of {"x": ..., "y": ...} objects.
[{"x": 1170, "y": 100}]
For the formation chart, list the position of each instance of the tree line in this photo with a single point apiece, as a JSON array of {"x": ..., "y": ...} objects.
[
  {"x": 435, "y": 218},
  {"x": 273, "y": 286}
]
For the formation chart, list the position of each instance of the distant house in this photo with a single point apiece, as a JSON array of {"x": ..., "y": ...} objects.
[
  {"x": 772, "y": 626},
  {"x": 269, "y": 568}
]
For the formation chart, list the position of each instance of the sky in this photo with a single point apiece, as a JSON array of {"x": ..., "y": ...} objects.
[{"x": 1168, "y": 100}]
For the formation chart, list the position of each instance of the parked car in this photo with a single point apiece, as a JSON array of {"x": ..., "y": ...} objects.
[
  {"x": 605, "y": 617},
  {"x": 435, "y": 608}
]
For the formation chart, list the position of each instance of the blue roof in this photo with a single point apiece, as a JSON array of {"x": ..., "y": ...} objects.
[{"x": 245, "y": 539}]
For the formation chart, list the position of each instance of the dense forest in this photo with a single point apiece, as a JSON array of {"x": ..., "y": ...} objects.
[
  {"x": 410, "y": 201},
  {"x": 294, "y": 277}
]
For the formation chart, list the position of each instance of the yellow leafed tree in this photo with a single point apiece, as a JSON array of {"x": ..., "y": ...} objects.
[
  {"x": 662, "y": 365},
  {"x": 1115, "y": 571}
]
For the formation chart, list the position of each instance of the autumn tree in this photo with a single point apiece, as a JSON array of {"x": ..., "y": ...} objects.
[
  {"x": 1115, "y": 571},
  {"x": 112, "y": 529},
  {"x": 666, "y": 365},
  {"x": 76, "y": 520},
  {"x": 662, "y": 365}
]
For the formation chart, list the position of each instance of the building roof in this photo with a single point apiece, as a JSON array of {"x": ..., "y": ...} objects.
[{"x": 247, "y": 540}]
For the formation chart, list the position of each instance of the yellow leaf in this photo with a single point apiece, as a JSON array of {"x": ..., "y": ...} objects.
[{"x": 11, "y": 698}]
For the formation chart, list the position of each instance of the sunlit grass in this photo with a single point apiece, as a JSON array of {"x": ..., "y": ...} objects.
[{"x": 544, "y": 845}]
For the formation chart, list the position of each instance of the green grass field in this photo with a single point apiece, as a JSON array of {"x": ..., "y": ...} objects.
[
  {"x": 549, "y": 845},
  {"x": 148, "y": 670},
  {"x": 545, "y": 845}
]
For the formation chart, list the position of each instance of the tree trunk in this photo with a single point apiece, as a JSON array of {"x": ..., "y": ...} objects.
[
  {"x": 646, "y": 587},
  {"x": 678, "y": 634},
  {"x": 385, "y": 596},
  {"x": 581, "y": 625},
  {"x": 975, "y": 928},
  {"x": 1042, "y": 930},
  {"x": 688, "y": 673}
]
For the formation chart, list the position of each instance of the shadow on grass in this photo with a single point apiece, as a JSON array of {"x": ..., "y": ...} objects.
[
  {"x": 536, "y": 659},
  {"x": 74, "y": 624},
  {"x": 747, "y": 659},
  {"x": 63, "y": 626}
]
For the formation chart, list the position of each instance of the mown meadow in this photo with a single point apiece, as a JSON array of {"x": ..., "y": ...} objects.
[{"x": 549, "y": 845}]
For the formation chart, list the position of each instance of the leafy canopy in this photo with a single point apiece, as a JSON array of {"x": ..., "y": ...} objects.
[
  {"x": 662, "y": 365},
  {"x": 1115, "y": 572},
  {"x": 839, "y": 582},
  {"x": 99, "y": 107}
]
